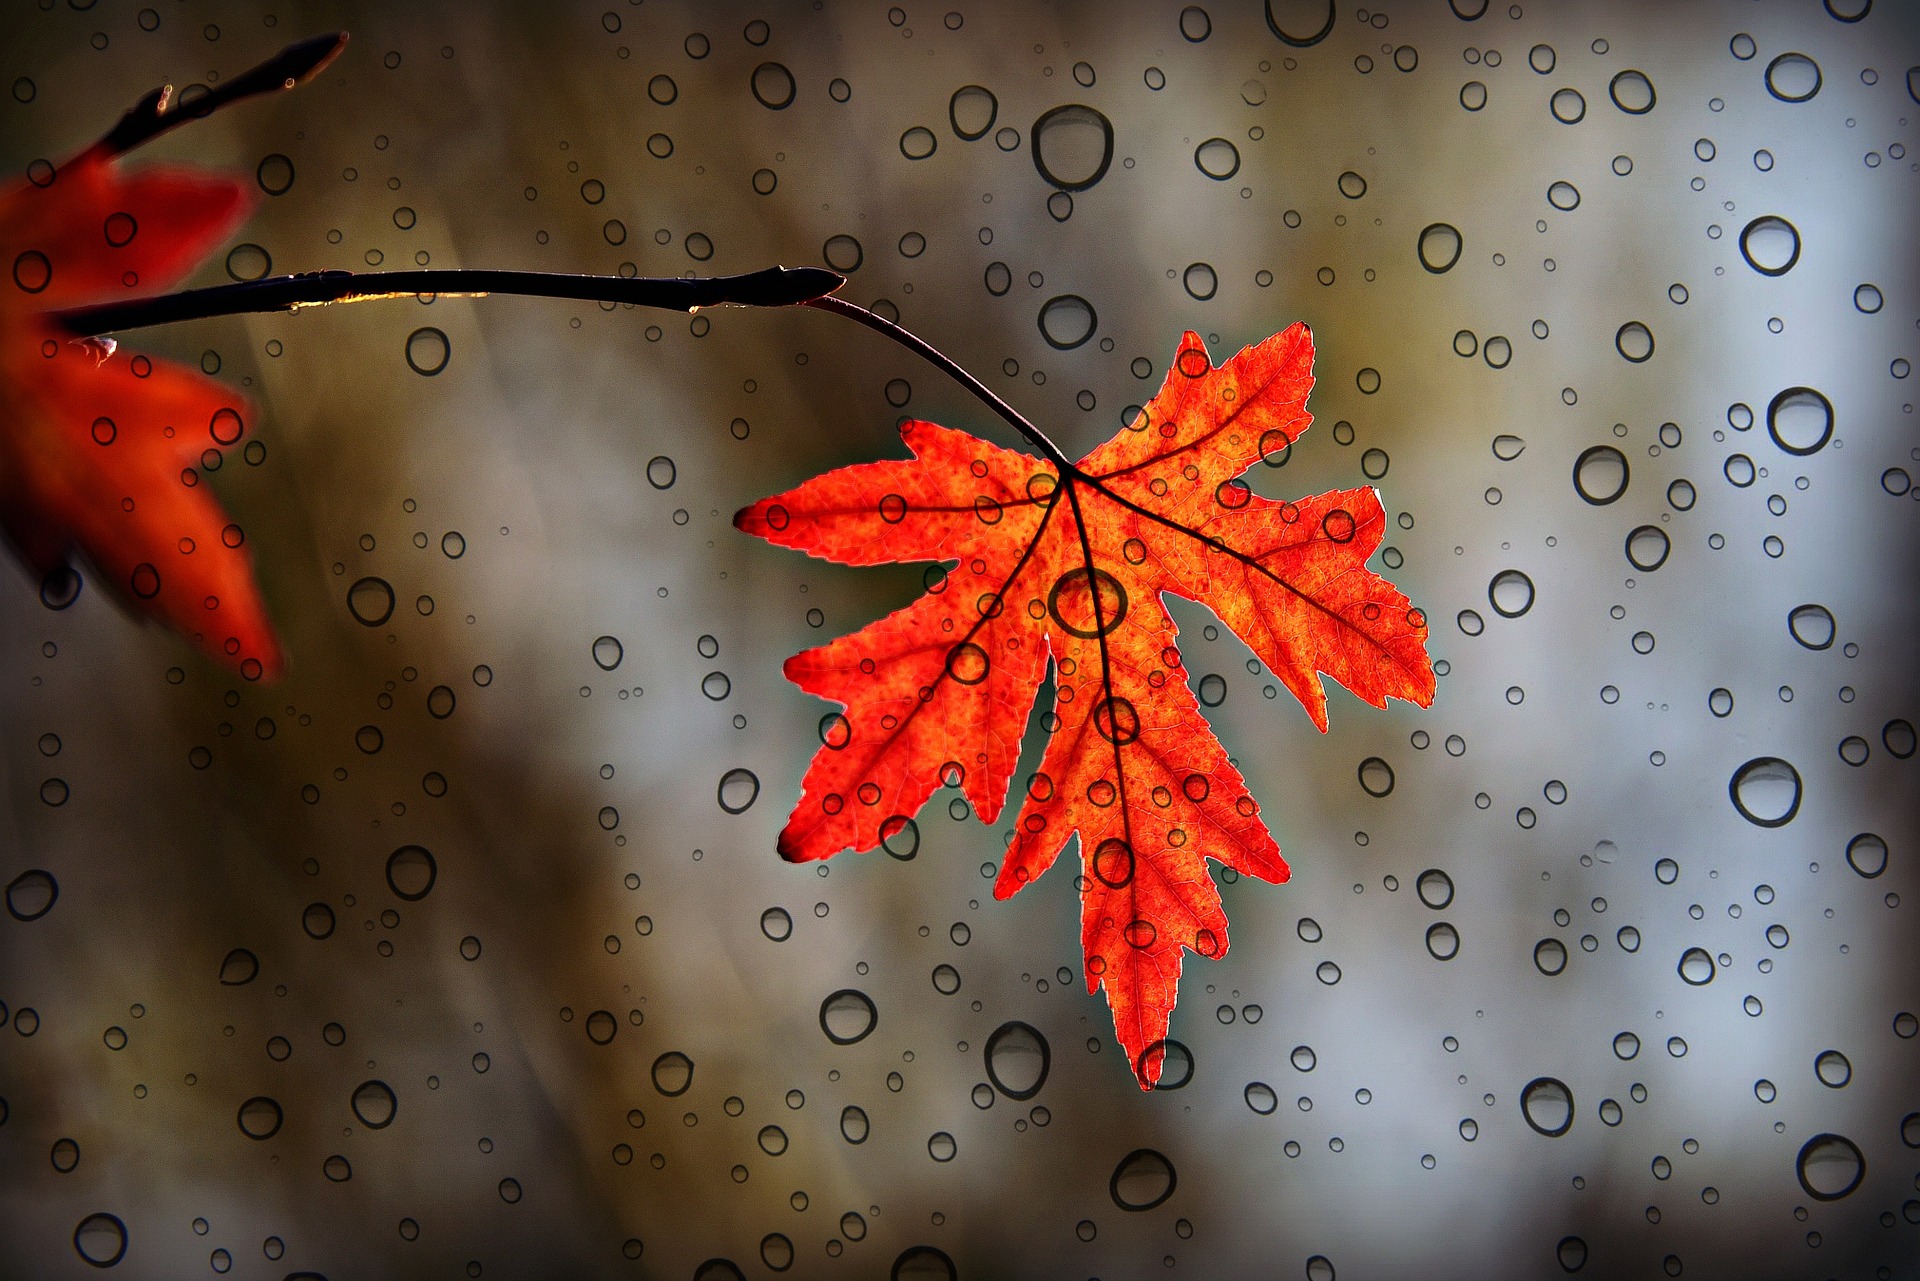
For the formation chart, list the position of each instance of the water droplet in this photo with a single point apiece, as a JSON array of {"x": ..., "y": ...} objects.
[
  {"x": 1632, "y": 92},
  {"x": 1547, "y": 1105},
  {"x": 275, "y": 174},
  {"x": 1142, "y": 1180},
  {"x": 1507, "y": 448},
  {"x": 1550, "y": 956},
  {"x": 1067, "y": 321},
  {"x": 260, "y": 1117},
  {"x": 1800, "y": 420},
  {"x": 1352, "y": 185},
  {"x": 673, "y": 1074},
  {"x": 244, "y": 262},
  {"x": 1261, "y": 1098},
  {"x": 101, "y": 1239},
  {"x": 1443, "y": 941},
  {"x": 1696, "y": 967},
  {"x": 1600, "y": 474},
  {"x": 1793, "y": 77},
  {"x": 239, "y": 967},
  {"x": 1830, "y": 1166},
  {"x": 607, "y": 652},
  {"x": 1200, "y": 281},
  {"x": 428, "y": 351},
  {"x": 1300, "y": 24},
  {"x": 1072, "y": 146},
  {"x": 1867, "y": 854},
  {"x": 661, "y": 472},
  {"x": 1018, "y": 1058},
  {"x": 1868, "y": 299},
  {"x": 1647, "y": 547},
  {"x": 1771, "y": 245},
  {"x": 1439, "y": 247},
  {"x": 1766, "y": 791},
  {"x": 1812, "y": 626},
  {"x": 1510, "y": 593},
  {"x": 918, "y": 143},
  {"x": 1634, "y": 341},
  {"x": 773, "y": 86},
  {"x": 370, "y": 601},
  {"x": 1435, "y": 888},
  {"x": 971, "y": 111},
  {"x": 848, "y": 1016},
  {"x": 941, "y": 1147},
  {"x": 738, "y": 790},
  {"x": 1833, "y": 1069},
  {"x": 411, "y": 871},
  {"x": 923, "y": 1263},
  {"x": 374, "y": 1103},
  {"x": 1571, "y": 1254},
  {"x": 1217, "y": 158},
  {"x": 843, "y": 253},
  {"x": 854, "y": 1126},
  {"x": 1569, "y": 106},
  {"x": 1376, "y": 776},
  {"x": 1564, "y": 196},
  {"x": 32, "y": 894}
]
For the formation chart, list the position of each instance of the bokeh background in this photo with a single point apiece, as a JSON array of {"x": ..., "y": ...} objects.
[{"x": 570, "y": 474}]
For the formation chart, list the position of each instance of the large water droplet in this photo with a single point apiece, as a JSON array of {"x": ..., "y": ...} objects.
[
  {"x": 1217, "y": 158},
  {"x": 1547, "y": 1105},
  {"x": 1510, "y": 593},
  {"x": 1143, "y": 1179},
  {"x": 738, "y": 790},
  {"x": 971, "y": 111},
  {"x": 1439, "y": 247},
  {"x": 1443, "y": 941},
  {"x": 239, "y": 967},
  {"x": 1632, "y": 92},
  {"x": 1766, "y": 791},
  {"x": 1647, "y": 547},
  {"x": 1812, "y": 626},
  {"x": 673, "y": 1073},
  {"x": 428, "y": 351},
  {"x": 1833, "y": 1069},
  {"x": 607, "y": 652},
  {"x": 101, "y": 1239},
  {"x": 848, "y": 1016},
  {"x": 1696, "y": 967},
  {"x": 375, "y": 1104},
  {"x": 260, "y": 1117},
  {"x": 854, "y": 1126},
  {"x": 411, "y": 871},
  {"x": 1300, "y": 23},
  {"x": 1830, "y": 1166},
  {"x": 1072, "y": 146},
  {"x": 1600, "y": 474},
  {"x": 1018, "y": 1058},
  {"x": 1800, "y": 420},
  {"x": 1261, "y": 1098},
  {"x": 1771, "y": 245},
  {"x": 1434, "y": 887},
  {"x": 1634, "y": 342},
  {"x": 370, "y": 601},
  {"x": 1793, "y": 77},
  {"x": 773, "y": 86},
  {"x": 923, "y": 1263},
  {"x": 1067, "y": 321},
  {"x": 1507, "y": 448},
  {"x": 1867, "y": 854},
  {"x": 32, "y": 894}
]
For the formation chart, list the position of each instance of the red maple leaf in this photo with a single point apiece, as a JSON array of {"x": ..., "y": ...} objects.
[
  {"x": 1069, "y": 565},
  {"x": 101, "y": 452}
]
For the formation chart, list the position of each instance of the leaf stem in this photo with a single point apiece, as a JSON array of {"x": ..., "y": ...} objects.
[
  {"x": 769, "y": 287},
  {"x": 159, "y": 112},
  {"x": 952, "y": 369}
]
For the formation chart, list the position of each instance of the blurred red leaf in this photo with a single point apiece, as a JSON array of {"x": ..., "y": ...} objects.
[
  {"x": 1069, "y": 566},
  {"x": 100, "y": 452}
]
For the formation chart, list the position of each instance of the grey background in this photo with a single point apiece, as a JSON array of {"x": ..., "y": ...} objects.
[{"x": 534, "y": 444}]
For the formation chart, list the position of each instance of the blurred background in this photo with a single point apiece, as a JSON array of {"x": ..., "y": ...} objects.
[{"x": 1614, "y": 303}]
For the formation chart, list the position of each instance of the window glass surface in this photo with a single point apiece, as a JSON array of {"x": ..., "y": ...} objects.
[{"x": 465, "y": 949}]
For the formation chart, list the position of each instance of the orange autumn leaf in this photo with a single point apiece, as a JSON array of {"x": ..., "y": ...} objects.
[
  {"x": 1068, "y": 566},
  {"x": 100, "y": 453}
]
